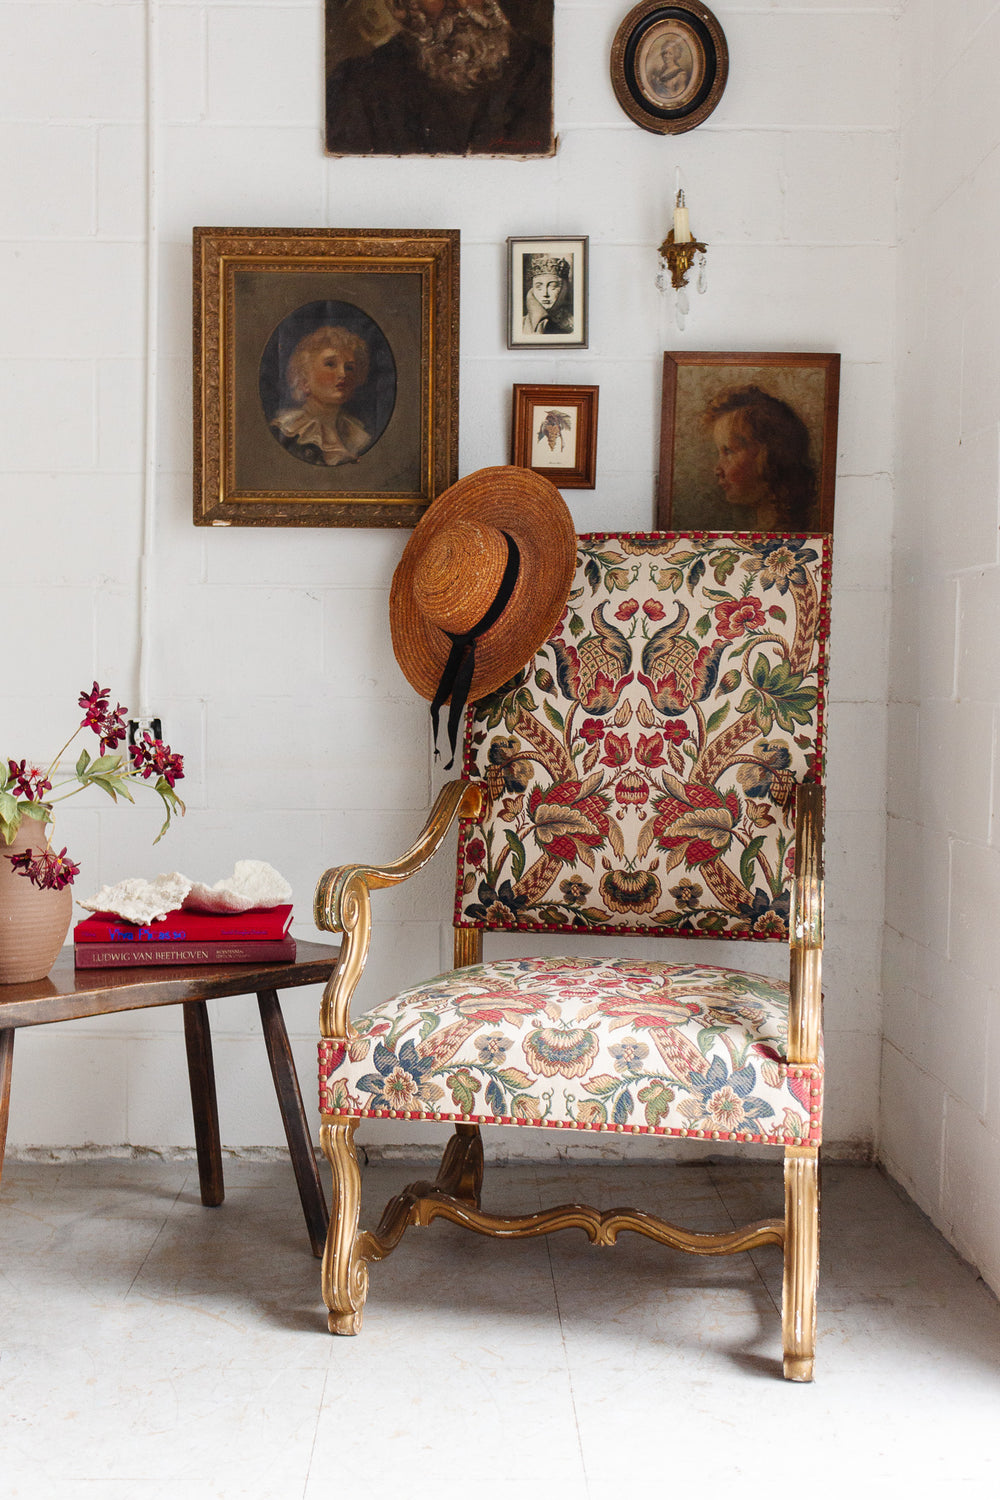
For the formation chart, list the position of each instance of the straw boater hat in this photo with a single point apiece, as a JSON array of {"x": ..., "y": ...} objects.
[{"x": 481, "y": 585}]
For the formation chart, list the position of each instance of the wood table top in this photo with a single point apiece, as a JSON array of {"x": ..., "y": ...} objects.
[{"x": 68, "y": 993}]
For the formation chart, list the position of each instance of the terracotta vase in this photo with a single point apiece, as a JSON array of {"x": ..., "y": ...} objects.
[{"x": 33, "y": 923}]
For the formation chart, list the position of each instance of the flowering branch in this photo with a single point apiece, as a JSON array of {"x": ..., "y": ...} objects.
[{"x": 23, "y": 788}]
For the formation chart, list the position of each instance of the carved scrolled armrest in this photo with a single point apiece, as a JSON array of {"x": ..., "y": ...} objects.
[
  {"x": 806, "y": 927},
  {"x": 343, "y": 900}
]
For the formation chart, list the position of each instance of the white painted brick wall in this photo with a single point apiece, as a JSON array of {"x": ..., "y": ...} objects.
[
  {"x": 271, "y": 666},
  {"x": 940, "y": 1121}
]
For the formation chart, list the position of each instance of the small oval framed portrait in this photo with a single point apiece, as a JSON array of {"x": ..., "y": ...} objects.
[
  {"x": 669, "y": 65},
  {"x": 327, "y": 383}
]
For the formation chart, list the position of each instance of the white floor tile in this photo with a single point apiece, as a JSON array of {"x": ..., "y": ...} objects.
[{"x": 152, "y": 1349}]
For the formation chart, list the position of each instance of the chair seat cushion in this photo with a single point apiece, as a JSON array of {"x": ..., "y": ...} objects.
[{"x": 585, "y": 1044}]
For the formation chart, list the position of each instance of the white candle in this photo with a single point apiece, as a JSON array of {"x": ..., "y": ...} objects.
[{"x": 682, "y": 229}]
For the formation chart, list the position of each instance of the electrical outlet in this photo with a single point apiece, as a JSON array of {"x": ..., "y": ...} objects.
[{"x": 137, "y": 727}]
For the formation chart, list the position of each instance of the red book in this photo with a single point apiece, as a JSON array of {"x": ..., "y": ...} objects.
[
  {"x": 267, "y": 923},
  {"x": 152, "y": 955}
]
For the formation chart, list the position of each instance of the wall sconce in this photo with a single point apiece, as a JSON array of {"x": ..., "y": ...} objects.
[{"x": 678, "y": 254}]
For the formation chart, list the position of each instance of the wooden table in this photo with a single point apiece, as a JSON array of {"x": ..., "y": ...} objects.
[{"x": 69, "y": 993}]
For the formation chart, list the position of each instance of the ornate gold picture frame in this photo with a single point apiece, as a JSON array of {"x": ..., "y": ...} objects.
[
  {"x": 325, "y": 375},
  {"x": 669, "y": 65}
]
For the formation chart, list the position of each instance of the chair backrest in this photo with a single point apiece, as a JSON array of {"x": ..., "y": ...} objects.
[{"x": 640, "y": 772}]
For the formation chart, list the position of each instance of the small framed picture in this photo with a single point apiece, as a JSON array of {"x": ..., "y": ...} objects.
[
  {"x": 669, "y": 65},
  {"x": 547, "y": 292},
  {"x": 555, "y": 433},
  {"x": 325, "y": 375},
  {"x": 748, "y": 442}
]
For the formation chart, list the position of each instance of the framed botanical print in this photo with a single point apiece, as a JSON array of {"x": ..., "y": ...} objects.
[
  {"x": 325, "y": 375},
  {"x": 555, "y": 433},
  {"x": 748, "y": 442},
  {"x": 547, "y": 292},
  {"x": 669, "y": 65}
]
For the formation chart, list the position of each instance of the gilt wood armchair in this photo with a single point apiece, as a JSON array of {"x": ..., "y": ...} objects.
[{"x": 656, "y": 769}]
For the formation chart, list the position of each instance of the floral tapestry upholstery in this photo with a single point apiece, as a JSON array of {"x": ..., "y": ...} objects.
[
  {"x": 600, "y": 1044},
  {"x": 639, "y": 774}
]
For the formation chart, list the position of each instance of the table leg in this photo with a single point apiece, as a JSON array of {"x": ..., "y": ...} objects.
[
  {"x": 201, "y": 1073},
  {"x": 300, "y": 1146},
  {"x": 6, "y": 1064}
]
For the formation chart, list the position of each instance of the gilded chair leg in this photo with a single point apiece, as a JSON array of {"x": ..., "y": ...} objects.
[
  {"x": 461, "y": 1171},
  {"x": 345, "y": 1274},
  {"x": 798, "y": 1312}
]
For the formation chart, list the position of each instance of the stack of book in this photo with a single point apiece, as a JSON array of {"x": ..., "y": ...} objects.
[{"x": 104, "y": 941}]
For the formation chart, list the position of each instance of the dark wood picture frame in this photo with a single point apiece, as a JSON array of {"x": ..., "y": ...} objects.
[
  {"x": 554, "y": 432},
  {"x": 563, "y": 325},
  {"x": 746, "y": 440},
  {"x": 669, "y": 65},
  {"x": 268, "y": 450}
]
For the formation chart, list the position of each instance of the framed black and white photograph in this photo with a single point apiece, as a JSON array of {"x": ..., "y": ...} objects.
[
  {"x": 669, "y": 65},
  {"x": 325, "y": 375},
  {"x": 547, "y": 292}
]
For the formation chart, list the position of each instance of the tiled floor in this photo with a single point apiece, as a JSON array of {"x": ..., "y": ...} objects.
[{"x": 151, "y": 1349}]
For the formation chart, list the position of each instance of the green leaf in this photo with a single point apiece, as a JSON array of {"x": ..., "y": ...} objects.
[
  {"x": 602, "y": 1083},
  {"x": 720, "y": 596},
  {"x": 716, "y": 719},
  {"x": 517, "y": 850},
  {"x": 107, "y": 785},
  {"x": 576, "y": 625},
  {"x": 697, "y": 573},
  {"x": 554, "y": 717},
  {"x": 523, "y": 698},
  {"x": 514, "y": 1078},
  {"x": 83, "y": 762},
  {"x": 463, "y": 1089},
  {"x": 9, "y": 809},
  {"x": 592, "y": 573},
  {"x": 429, "y": 1024},
  {"x": 748, "y": 861},
  {"x": 723, "y": 564},
  {"x": 40, "y": 811},
  {"x": 706, "y": 1037},
  {"x": 657, "y": 1098},
  {"x": 106, "y": 765},
  {"x": 704, "y": 625}
]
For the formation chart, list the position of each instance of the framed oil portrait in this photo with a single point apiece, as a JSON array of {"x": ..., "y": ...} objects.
[
  {"x": 554, "y": 432},
  {"x": 325, "y": 375},
  {"x": 547, "y": 292},
  {"x": 669, "y": 65},
  {"x": 748, "y": 442},
  {"x": 411, "y": 78}
]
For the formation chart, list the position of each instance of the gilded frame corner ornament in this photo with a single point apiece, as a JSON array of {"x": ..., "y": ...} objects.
[
  {"x": 376, "y": 456},
  {"x": 669, "y": 65}
]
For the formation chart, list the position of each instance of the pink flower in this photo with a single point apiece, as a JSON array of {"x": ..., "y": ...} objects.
[
  {"x": 30, "y": 781},
  {"x": 649, "y": 750},
  {"x": 676, "y": 731},
  {"x": 106, "y": 722},
  {"x": 617, "y": 750},
  {"x": 653, "y": 609},
  {"x": 47, "y": 870},
  {"x": 626, "y": 609},
  {"x": 153, "y": 758},
  {"x": 735, "y": 617}
]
